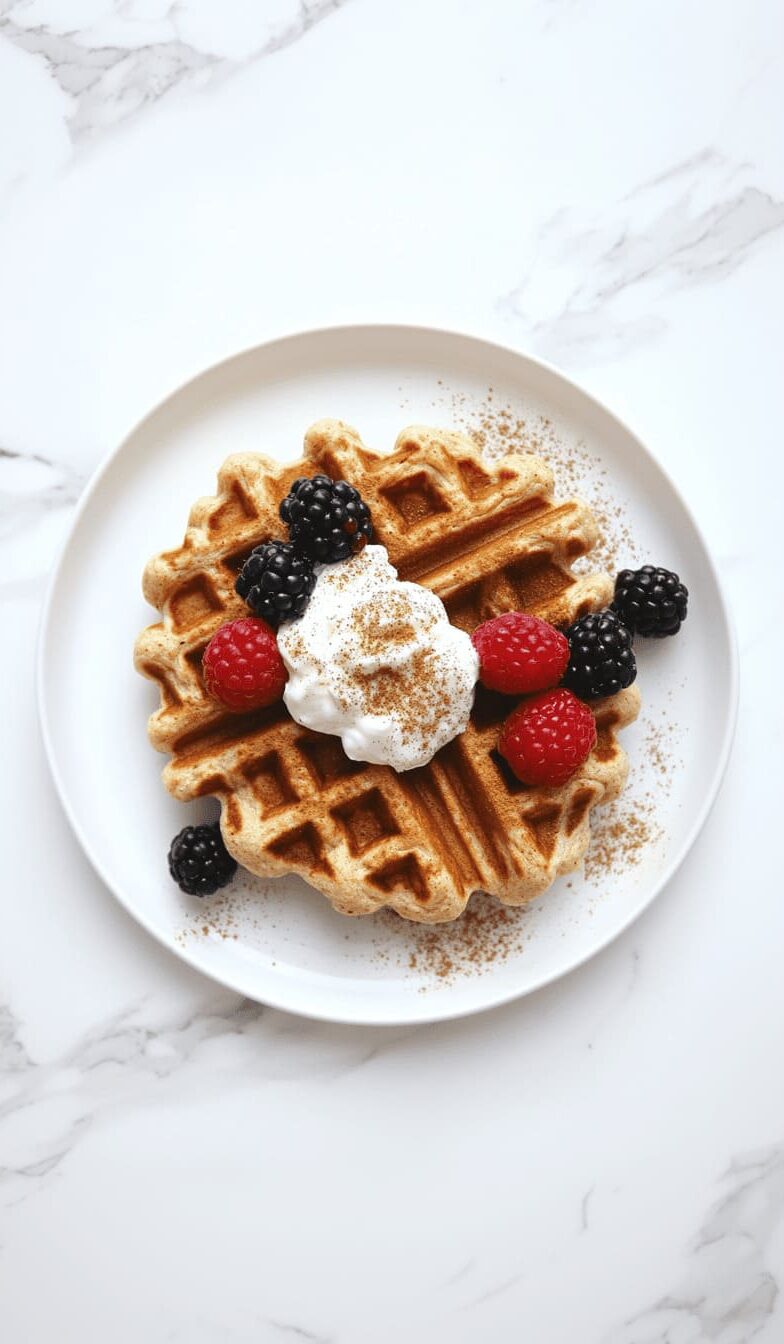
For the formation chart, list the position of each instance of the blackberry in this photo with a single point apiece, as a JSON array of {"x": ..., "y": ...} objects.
[
  {"x": 651, "y": 601},
  {"x": 601, "y": 659},
  {"x": 199, "y": 861},
  {"x": 328, "y": 520},
  {"x": 276, "y": 581}
]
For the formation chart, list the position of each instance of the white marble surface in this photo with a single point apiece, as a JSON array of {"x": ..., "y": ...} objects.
[{"x": 601, "y": 183}]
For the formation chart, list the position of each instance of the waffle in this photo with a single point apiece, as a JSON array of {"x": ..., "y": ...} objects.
[{"x": 487, "y": 539}]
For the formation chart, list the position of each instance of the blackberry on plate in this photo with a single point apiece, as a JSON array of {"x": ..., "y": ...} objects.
[
  {"x": 328, "y": 520},
  {"x": 276, "y": 581},
  {"x": 199, "y": 861},
  {"x": 601, "y": 659},
  {"x": 651, "y": 601}
]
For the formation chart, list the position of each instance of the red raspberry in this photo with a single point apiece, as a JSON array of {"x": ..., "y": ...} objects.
[
  {"x": 242, "y": 665},
  {"x": 519, "y": 654},
  {"x": 547, "y": 738}
]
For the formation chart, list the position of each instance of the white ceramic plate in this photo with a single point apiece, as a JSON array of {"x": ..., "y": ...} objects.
[{"x": 280, "y": 942}]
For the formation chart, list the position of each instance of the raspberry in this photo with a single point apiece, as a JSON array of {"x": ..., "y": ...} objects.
[
  {"x": 199, "y": 861},
  {"x": 546, "y": 739},
  {"x": 242, "y": 665},
  {"x": 519, "y": 654}
]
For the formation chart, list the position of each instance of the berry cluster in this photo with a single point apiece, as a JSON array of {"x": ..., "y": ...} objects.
[
  {"x": 328, "y": 521},
  {"x": 242, "y": 666},
  {"x": 548, "y": 737}
]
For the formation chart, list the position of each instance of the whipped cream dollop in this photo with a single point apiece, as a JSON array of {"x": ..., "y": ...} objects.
[{"x": 376, "y": 662}]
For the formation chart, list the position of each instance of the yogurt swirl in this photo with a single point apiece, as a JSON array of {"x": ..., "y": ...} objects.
[{"x": 376, "y": 662}]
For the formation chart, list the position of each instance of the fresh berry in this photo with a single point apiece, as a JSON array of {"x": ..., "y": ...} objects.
[
  {"x": 242, "y": 665},
  {"x": 199, "y": 861},
  {"x": 328, "y": 520},
  {"x": 651, "y": 601},
  {"x": 601, "y": 658},
  {"x": 546, "y": 739},
  {"x": 276, "y": 581},
  {"x": 519, "y": 654}
]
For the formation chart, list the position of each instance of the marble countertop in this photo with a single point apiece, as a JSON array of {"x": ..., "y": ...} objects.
[{"x": 601, "y": 184}]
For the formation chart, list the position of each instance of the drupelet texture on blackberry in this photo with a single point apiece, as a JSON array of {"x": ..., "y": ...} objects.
[
  {"x": 601, "y": 659},
  {"x": 328, "y": 520},
  {"x": 199, "y": 861},
  {"x": 276, "y": 581},
  {"x": 651, "y": 601}
]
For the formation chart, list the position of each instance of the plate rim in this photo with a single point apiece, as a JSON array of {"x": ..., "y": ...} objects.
[{"x": 431, "y": 1011}]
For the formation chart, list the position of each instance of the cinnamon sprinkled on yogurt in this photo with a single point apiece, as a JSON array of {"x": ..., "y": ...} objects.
[{"x": 376, "y": 662}]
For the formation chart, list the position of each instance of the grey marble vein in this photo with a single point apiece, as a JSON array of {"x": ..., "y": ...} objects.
[
  {"x": 460, "y": 1273},
  {"x": 498, "y": 1289},
  {"x": 106, "y": 83},
  {"x": 32, "y": 485},
  {"x": 47, "y": 1108},
  {"x": 599, "y": 282},
  {"x": 293, "y": 1331},
  {"x": 13, "y": 1055},
  {"x": 727, "y": 1293}
]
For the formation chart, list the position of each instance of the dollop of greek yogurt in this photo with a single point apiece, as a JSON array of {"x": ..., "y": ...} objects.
[{"x": 375, "y": 661}]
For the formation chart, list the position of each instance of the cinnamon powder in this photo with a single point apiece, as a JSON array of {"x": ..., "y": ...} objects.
[
  {"x": 408, "y": 692},
  {"x": 485, "y": 934}
]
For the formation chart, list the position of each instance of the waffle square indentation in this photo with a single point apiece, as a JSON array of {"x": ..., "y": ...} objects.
[
  {"x": 235, "y": 511},
  {"x": 415, "y": 499},
  {"x": 578, "y": 809},
  {"x": 536, "y": 580},
  {"x": 464, "y": 607},
  {"x": 401, "y": 874},
  {"x": 170, "y": 696},
  {"x": 366, "y": 820},
  {"x": 544, "y": 824},
  {"x": 270, "y": 783},
  {"x": 302, "y": 848},
  {"x": 194, "y": 601},
  {"x": 474, "y": 479},
  {"x": 326, "y": 760}
]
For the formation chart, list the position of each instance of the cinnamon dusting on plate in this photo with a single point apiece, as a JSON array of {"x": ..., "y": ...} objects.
[
  {"x": 485, "y": 934},
  {"x": 497, "y": 428}
]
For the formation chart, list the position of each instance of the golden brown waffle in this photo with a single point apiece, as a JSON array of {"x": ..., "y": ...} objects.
[{"x": 486, "y": 539}]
